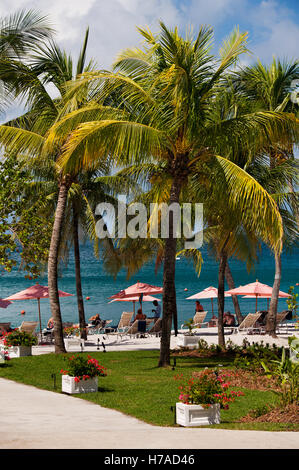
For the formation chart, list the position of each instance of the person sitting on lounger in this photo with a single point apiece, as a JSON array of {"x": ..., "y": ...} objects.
[
  {"x": 95, "y": 320},
  {"x": 50, "y": 326},
  {"x": 140, "y": 315},
  {"x": 198, "y": 307},
  {"x": 228, "y": 319}
]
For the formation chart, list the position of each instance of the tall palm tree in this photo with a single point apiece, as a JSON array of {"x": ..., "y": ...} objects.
[
  {"x": 167, "y": 90},
  {"x": 268, "y": 88},
  {"x": 28, "y": 134}
]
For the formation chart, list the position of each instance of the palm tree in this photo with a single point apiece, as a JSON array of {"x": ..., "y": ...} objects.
[
  {"x": 167, "y": 91},
  {"x": 20, "y": 34},
  {"x": 28, "y": 134},
  {"x": 268, "y": 89}
]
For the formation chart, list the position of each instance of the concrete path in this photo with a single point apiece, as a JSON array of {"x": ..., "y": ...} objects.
[{"x": 37, "y": 419}]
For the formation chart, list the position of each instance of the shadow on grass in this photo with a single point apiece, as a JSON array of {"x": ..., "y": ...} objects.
[{"x": 105, "y": 390}]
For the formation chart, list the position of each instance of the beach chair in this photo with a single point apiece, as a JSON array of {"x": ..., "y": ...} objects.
[
  {"x": 198, "y": 320},
  {"x": 98, "y": 329},
  {"x": 248, "y": 324},
  {"x": 156, "y": 329},
  {"x": 29, "y": 327},
  {"x": 123, "y": 324},
  {"x": 139, "y": 329},
  {"x": 282, "y": 323},
  {"x": 4, "y": 328}
]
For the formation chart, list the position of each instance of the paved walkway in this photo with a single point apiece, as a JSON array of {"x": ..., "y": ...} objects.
[{"x": 31, "y": 418}]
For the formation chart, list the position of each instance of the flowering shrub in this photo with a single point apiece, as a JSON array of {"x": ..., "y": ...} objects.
[
  {"x": 83, "y": 368},
  {"x": 19, "y": 338},
  {"x": 71, "y": 330},
  {"x": 207, "y": 388}
]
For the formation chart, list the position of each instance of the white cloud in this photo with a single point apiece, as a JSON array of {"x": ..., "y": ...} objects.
[{"x": 272, "y": 27}]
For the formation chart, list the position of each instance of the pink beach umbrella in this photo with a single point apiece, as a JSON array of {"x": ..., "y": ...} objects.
[
  {"x": 146, "y": 298},
  {"x": 208, "y": 293},
  {"x": 36, "y": 292},
  {"x": 4, "y": 303},
  {"x": 255, "y": 290},
  {"x": 138, "y": 289}
]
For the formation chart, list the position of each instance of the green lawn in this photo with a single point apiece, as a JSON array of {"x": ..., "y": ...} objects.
[{"x": 137, "y": 387}]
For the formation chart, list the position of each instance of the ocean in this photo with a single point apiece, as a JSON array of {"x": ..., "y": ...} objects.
[{"x": 98, "y": 286}]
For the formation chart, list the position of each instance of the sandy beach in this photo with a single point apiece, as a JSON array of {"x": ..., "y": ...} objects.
[{"x": 125, "y": 343}]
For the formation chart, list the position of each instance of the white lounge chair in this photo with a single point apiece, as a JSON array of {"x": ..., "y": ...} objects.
[
  {"x": 248, "y": 324},
  {"x": 123, "y": 324},
  {"x": 28, "y": 326},
  {"x": 198, "y": 320}
]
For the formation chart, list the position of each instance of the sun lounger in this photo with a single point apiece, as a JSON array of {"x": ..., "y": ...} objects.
[
  {"x": 282, "y": 325},
  {"x": 139, "y": 329},
  {"x": 248, "y": 325},
  {"x": 98, "y": 329},
  {"x": 156, "y": 329},
  {"x": 28, "y": 326},
  {"x": 123, "y": 324},
  {"x": 198, "y": 320}
]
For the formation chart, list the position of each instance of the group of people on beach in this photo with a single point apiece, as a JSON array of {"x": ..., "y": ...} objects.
[{"x": 95, "y": 320}]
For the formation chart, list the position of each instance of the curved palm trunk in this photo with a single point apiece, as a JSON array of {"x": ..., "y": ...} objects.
[
  {"x": 221, "y": 276},
  {"x": 53, "y": 266},
  {"x": 231, "y": 284},
  {"x": 80, "y": 302},
  {"x": 271, "y": 317},
  {"x": 169, "y": 293}
]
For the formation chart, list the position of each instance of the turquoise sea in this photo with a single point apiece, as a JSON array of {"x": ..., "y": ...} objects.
[{"x": 98, "y": 285}]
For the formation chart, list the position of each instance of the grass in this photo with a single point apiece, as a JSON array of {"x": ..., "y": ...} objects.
[{"x": 136, "y": 386}]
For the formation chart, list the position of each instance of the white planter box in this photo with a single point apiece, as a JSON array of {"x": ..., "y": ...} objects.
[
  {"x": 19, "y": 351},
  {"x": 74, "y": 341},
  {"x": 186, "y": 340},
  {"x": 84, "y": 386},
  {"x": 196, "y": 415}
]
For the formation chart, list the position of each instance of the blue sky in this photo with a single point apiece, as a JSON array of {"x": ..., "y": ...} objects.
[{"x": 273, "y": 25}]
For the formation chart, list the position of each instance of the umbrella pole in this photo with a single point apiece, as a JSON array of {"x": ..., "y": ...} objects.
[
  {"x": 40, "y": 321},
  {"x": 212, "y": 307},
  {"x": 255, "y": 303}
]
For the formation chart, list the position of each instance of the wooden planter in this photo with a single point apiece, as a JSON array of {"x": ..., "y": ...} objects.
[
  {"x": 19, "y": 351},
  {"x": 197, "y": 415},
  {"x": 187, "y": 340},
  {"x": 83, "y": 386}
]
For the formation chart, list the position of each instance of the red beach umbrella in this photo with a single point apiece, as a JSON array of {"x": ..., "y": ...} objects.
[
  {"x": 208, "y": 293},
  {"x": 255, "y": 290},
  {"x": 36, "y": 292},
  {"x": 138, "y": 289}
]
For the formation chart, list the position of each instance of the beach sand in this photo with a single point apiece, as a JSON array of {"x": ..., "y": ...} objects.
[{"x": 125, "y": 343}]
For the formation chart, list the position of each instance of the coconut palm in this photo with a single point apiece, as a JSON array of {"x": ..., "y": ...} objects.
[
  {"x": 27, "y": 135},
  {"x": 20, "y": 34},
  {"x": 268, "y": 88},
  {"x": 167, "y": 91}
]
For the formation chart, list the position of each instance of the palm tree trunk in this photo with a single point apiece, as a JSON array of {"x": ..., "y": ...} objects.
[
  {"x": 271, "y": 317},
  {"x": 221, "y": 276},
  {"x": 80, "y": 302},
  {"x": 169, "y": 293},
  {"x": 231, "y": 284},
  {"x": 53, "y": 266}
]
